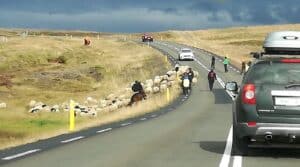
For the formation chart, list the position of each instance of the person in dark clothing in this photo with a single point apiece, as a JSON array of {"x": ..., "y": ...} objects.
[
  {"x": 243, "y": 70},
  {"x": 177, "y": 68},
  {"x": 213, "y": 61},
  {"x": 137, "y": 87},
  {"x": 191, "y": 76},
  {"x": 211, "y": 79}
]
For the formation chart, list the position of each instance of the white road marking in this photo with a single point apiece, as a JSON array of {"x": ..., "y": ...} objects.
[
  {"x": 237, "y": 161},
  {"x": 104, "y": 130},
  {"x": 72, "y": 139},
  {"x": 143, "y": 119},
  {"x": 227, "y": 153},
  {"x": 126, "y": 124},
  {"x": 20, "y": 154}
]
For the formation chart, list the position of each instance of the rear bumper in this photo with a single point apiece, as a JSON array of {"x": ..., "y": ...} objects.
[
  {"x": 270, "y": 135},
  {"x": 262, "y": 129}
]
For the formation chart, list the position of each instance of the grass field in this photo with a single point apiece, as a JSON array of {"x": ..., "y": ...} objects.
[
  {"x": 55, "y": 69},
  {"x": 235, "y": 43}
]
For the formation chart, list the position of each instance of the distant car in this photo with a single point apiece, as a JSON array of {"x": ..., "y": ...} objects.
[
  {"x": 266, "y": 111},
  {"x": 147, "y": 38},
  {"x": 186, "y": 54}
]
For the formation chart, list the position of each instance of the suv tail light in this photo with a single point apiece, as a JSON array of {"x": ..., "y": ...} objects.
[{"x": 248, "y": 94}]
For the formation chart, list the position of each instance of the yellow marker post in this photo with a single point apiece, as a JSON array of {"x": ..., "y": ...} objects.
[
  {"x": 168, "y": 94},
  {"x": 72, "y": 116},
  {"x": 166, "y": 58}
]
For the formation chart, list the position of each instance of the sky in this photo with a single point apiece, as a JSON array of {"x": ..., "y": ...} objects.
[{"x": 145, "y": 15}]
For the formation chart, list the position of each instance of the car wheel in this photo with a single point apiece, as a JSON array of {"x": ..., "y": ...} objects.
[{"x": 239, "y": 145}]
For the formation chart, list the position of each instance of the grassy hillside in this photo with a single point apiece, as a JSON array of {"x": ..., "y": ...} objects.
[
  {"x": 235, "y": 43},
  {"x": 56, "y": 69}
]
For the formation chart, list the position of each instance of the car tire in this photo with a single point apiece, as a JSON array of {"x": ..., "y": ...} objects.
[{"x": 239, "y": 145}]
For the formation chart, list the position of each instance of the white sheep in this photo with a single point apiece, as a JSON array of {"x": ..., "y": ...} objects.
[
  {"x": 2, "y": 105},
  {"x": 102, "y": 103},
  {"x": 149, "y": 83},
  {"x": 157, "y": 80},
  {"x": 148, "y": 90},
  {"x": 91, "y": 100},
  {"x": 155, "y": 89},
  {"x": 111, "y": 97},
  {"x": 196, "y": 73},
  {"x": 163, "y": 87},
  {"x": 32, "y": 103},
  {"x": 195, "y": 80}
]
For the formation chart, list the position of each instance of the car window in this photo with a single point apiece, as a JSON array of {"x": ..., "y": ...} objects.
[
  {"x": 186, "y": 51},
  {"x": 274, "y": 73}
]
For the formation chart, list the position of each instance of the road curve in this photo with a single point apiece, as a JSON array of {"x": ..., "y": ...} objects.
[{"x": 194, "y": 134}]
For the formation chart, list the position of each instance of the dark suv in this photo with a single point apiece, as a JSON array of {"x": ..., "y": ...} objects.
[{"x": 266, "y": 111}]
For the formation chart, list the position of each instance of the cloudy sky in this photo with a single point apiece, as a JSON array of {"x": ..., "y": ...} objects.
[{"x": 145, "y": 15}]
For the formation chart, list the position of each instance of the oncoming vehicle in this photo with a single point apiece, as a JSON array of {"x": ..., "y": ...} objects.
[
  {"x": 147, "y": 38},
  {"x": 266, "y": 111},
  {"x": 186, "y": 54}
]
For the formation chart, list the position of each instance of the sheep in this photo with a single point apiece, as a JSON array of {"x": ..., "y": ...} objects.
[
  {"x": 164, "y": 82},
  {"x": 149, "y": 83},
  {"x": 148, "y": 90},
  {"x": 155, "y": 89},
  {"x": 91, "y": 100},
  {"x": 2, "y": 105},
  {"x": 111, "y": 97},
  {"x": 172, "y": 78},
  {"x": 32, "y": 103},
  {"x": 194, "y": 80},
  {"x": 102, "y": 103},
  {"x": 157, "y": 80},
  {"x": 165, "y": 77},
  {"x": 163, "y": 87},
  {"x": 171, "y": 73},
  {"x": 196, "y": 73}
]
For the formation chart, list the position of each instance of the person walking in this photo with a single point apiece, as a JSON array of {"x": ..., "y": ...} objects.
[
  {"x": 226, "y": 62},
  {"x": 185, "y": 84},
  {"x": 213, "y": 61},
  {"x": 243, "y": 70},
  {"x": 211, "y": 79},
  {"x": 191, "y": 76}
]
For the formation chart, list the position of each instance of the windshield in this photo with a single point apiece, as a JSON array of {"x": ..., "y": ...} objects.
[
  {"x": 274, "y": 73},
  {"x": 186, "y": 51}
]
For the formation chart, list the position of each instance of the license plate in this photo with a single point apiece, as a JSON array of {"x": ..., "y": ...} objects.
[{"x": 287, "y": 101}]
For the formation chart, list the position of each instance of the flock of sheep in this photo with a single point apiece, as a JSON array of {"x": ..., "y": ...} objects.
[{"x": 112, "y": 102}]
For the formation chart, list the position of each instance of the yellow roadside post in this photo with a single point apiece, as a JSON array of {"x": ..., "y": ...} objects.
[
  {"x": 166, "y": 58},
  {"x": 72, "y": 116}
]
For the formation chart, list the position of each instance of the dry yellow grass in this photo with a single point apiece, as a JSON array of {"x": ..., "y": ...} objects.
[
  {"x": 235, "y": 43},
  {"x": 109, "y": 65}
]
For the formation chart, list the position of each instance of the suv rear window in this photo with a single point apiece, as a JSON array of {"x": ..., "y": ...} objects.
[
  {"x": 186, "y": 51},
  {"x": 274, "y": 73}
]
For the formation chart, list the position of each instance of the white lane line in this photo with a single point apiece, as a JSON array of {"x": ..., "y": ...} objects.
[
  {"x": 104, "y": 130},
  {"x": 72, "y": 139},
  {"x": 20, "y": 154},
  {"x": 227, "y": 153},
  {"x": 237, "y": 161},
  {"x": 126, "y": 124},
  {"x": 143, "y": 119}
]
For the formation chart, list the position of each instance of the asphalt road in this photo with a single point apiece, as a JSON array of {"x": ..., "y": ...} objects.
[{"x": 196, "y": 133}]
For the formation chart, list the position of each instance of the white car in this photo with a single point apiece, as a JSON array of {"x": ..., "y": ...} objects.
[{"x": 186, "y": 54}]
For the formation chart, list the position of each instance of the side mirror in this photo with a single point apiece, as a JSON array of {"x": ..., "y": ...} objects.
[{"x": 231, "y": 86}]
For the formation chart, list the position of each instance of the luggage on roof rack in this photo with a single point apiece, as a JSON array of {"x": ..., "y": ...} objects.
[{"x": 282, "y": 42}]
